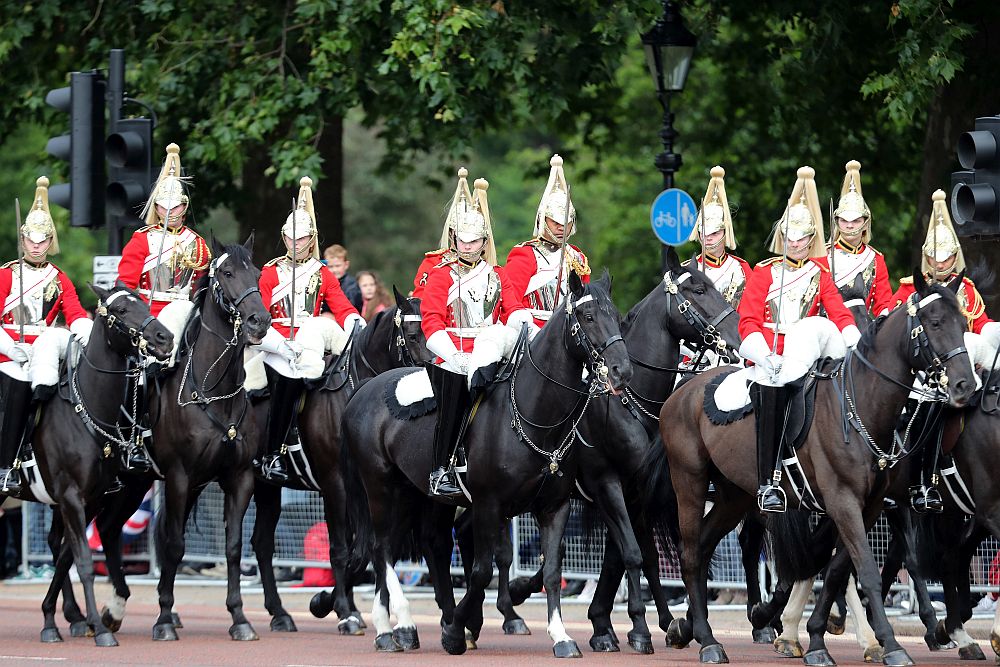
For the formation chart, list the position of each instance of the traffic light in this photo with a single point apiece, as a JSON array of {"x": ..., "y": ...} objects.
[
  {"x": 974, "y": 204},
  {"x": 82, "y": 148}
]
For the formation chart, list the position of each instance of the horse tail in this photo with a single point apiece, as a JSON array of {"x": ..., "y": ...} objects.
[
  {"x": 799, "y": 550},
  {"x": 659, "y": 502},
  {"x": 360, "y": 530}
]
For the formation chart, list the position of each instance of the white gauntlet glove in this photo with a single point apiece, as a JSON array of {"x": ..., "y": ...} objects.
[
  {"x": 851, "y": 336},
  {"x": 81, "y": 328},
  {"x": 291, "y": 350},
  {"x": 459, "y": 362},
  {"x": 351, "y": 319},
  {"x": 19, "y": 353}
]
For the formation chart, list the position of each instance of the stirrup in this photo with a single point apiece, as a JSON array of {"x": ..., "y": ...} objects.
[
  {"x": 115, "y": 486},
  {"x": 924, "y": 499},
  {"x": 272, "y": 468},
  {"x": 771, "y": 498},
  {"x": 443, "y": 483},
  {"x": 137, "y": 460},
  {"x": 12, "y": 483}
]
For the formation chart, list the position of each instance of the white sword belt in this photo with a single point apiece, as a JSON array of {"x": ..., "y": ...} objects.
[
  {"x": 782, "y": 328},
  {"x": 29, "y": 329},
  {"x": 165, "y": 296},
  {"x": 540, "y": 314},
  {"x": 463, "y": 332}
]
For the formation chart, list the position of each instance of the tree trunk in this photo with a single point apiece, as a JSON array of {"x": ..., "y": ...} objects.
[
  {"x": 971, "y": 94},
  {"x": 262, "y": 209}
]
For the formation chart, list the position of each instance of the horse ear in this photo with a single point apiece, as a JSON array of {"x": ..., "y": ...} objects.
[
  {"x": 919, "y": 282},
  {"x": 101, "y": 293},
  {"x": 248, "y": 244},
  {"x": 575, "y": 284},
  {"x": 401, "y": 301},
  {"x": 217, "y": 248},
  {"x": 607, "y": 280},
  {"x": 673, "y": 261},
  {"x": 957, "y": 282}
]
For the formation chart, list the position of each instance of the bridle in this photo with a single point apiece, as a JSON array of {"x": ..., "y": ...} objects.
[
  {"x": 936, "y": 381},
  {"x": 115, "y": 324},
  {"x": 597, "y": 371},
  {"x": 397, "y": 340},
  {"x": 708, "y": 329},
  {"x": 230, "y": 306}
]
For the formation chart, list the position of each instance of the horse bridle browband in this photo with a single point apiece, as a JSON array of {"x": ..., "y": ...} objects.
[
  {"x": 231, "y": 306},
  {"x": 115, "y": 324},
  {"x": 709, "y": 329}
]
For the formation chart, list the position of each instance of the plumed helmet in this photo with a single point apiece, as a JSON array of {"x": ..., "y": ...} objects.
[
  {"x": 942, "y": 241},
  {"x": 851, "y": 204},
  {"x": 170, "y": 189},
  {"x": 555, "y": 199},
  {"x": 802, "y": 216},
  {"x": 301, "y": 222},
  {"x": 715, "y": 215},
  {"x": 38, "y": 224}
]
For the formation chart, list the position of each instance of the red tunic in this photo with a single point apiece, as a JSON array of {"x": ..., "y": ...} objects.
[
  {"x": 138, "y": 265},
  {"x": 522, "y": 266},
  {"x": 58, "y": 295},
  {"x": 439, "y": 314},
  {"x": 725, "y": 273},
  {"x": 324, "y": 290},
  {"x": 969, "y": 301},
  {"x": 431, "y": 259},
  {"x": 755, "y": 310}
]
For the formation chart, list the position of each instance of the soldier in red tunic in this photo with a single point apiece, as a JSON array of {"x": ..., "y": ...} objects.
[
  {"x": 941, "y": 263},
  {"x": 294, "y": 346},
  {"x": 34, "y": 292},
  {"x": 782, "y": 291},
  {"x": 465, "y": 294},
  {"x": 850, "y": 254},
  {"x": 533, "y": 267},
  {"x": 164, "y": 259}
]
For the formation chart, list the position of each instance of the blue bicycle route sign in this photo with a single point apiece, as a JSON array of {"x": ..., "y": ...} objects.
[{"x": 673, "y": 215}]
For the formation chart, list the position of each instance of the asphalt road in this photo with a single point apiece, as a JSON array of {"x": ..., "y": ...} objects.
[{"x": 204, "y": 639}]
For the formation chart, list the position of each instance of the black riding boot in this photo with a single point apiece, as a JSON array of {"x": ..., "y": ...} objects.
[
  {"x": 15, "y": 410},
  {"x": 285, "y": 393},
  {"x": 769, "y": 409},
  {"x": 452, "y": 396},
  {"x": 925, "y": 497}
]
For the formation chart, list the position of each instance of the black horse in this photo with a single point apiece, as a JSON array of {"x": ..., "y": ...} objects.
[
  {"x": 82, "y": 434},
  {"x": 520, "y": 458},
  {"x": 203, "y": 430},
  {"x": 924, "y": 335},
  {"x": 619, "y": 430},
  {"x": 393, "y": 339}
]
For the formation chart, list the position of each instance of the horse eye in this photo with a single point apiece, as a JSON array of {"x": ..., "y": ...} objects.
[
  {"x": 590, "y": 318},
  {"x": 700, "y": 289},
  {"x": 228, "y": 274}
]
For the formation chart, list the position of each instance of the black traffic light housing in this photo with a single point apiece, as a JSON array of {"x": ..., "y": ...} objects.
[
  {"x": 975, "y": 206},
  {"x": 82, "y": 148}
]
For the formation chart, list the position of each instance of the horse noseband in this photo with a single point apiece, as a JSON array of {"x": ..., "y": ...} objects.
[
  {"x": 595, "y": 359},
  {"x": 922, "y": 347},
  {"x": 709, "y": 330}
]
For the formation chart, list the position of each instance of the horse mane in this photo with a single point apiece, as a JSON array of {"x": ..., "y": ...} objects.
[
  {"x": 984, "y": 277},
  {"x": 365, "y": 336},
  {"x": 629, "y": 320}
]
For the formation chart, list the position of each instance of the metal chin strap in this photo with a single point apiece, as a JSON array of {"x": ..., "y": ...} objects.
[{"x": 709, "y": 329}]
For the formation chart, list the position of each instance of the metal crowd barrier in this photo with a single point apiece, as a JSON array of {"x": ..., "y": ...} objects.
[{"x": 303, "y": 510}]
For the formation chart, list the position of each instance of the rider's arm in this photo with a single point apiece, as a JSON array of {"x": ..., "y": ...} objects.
[
  {"x": 520, "y": 267},
  {"x": 343, "y": 310},
  {"x": 976, "y": 307},
  {"x": 836, "y": 311},
  {"x": 133, "y": 257},
  {"x": 881, "y": 301},
  {"x": 69, "y": 302}
]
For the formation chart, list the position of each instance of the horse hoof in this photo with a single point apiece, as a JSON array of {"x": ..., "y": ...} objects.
[
  {"x": 971, "y": 652},
  {"x": 874, "y": 655},
  {"x": 105, "y": 639},
  {"x": 941, "y": 633},
  {"x": 243, "y": 632},
  {"x": 641, "y": 643},
  {"x": 932, "y": 643},
  {"x": 789, "y": 648},
  {"x": 995, "y": 642},
  {"x": 566, "y": 649},
  {"x": 835, "y": 625},
  {"x": 164, "y": 632},
  {"x": 452, "y": 644},
  {"x": 407, "y": 638},
  {"x": 818, "y": 657},
  {"x": 765, "y": 635},
  {"x": 679, "y": 633},
  {"x": 321, "y": 604},
  {"x": 352, "y": 625},
  {"x": 51, "y": 636},
  {"x": 470, "y": 641},
  {"x": 384, "y": 643},
  {"x": 81, "y": 629},
  {"x": 759, "y": 616},
  {"x": 713, "y": 654},
  {"x": 356, "y": 615},
  {"x": 283, "y": 623},
  {"x": 516, "y": 626},
  {"x": 606, "y": 643},
  {"x": 898, "y": 658}
]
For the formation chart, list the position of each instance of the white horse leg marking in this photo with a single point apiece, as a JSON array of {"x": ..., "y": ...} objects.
[
  {"x": 791, "y": 617},
  {"x": 556, "y": 629},
  {"x": 116, "y": 607},
  {"x": 398, "y": 604},
  {"x": 380, "y": 615},
  {"x": 862, "y": 629},
  {"x": 961, "y": 637}
]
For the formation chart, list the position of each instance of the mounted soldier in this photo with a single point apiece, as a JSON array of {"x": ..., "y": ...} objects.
[
  {"x": 942, "y": 262},
  {"x": 849, "y": 253},
  {"x": 465, "y": 294},
  {"x": 294, "y": 287},
  {"x": 164, "y": 259},
  {"x": 781, "y": 292},
  {"x": 539, "y": 269},
  {"x": 34, "y": 292}
]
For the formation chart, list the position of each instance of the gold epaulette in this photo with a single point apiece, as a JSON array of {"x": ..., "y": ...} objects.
[
  {"x": 148, "y": 228},
  {"x": 977, "y": 307},
  {"x": 821, "y": 266},
  {"x": 9, "y": 264},
  {"x": 530, "y": 243},
  {"x": 769, "y": 261},
  {"x": 877, "y": 252},
  {"x": 439, "y": 251},
  {"x": 582, "y": 268},
  {"x": 274, "y": 261},
  {"x": 447, "y": 258},
  {"x": 908, "y": 280}
]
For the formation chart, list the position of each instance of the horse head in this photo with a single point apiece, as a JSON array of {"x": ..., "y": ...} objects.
[
  {"x": 854, "y": 296},
  {"x": 129, "y": 324},
  {"x": 596, "y": 334},
  {"x": 936, "y": 332},
  {"x": 410, "y": 337},
  {"x": 695, "y": 310},
  {"x": 233, "y": 286}
]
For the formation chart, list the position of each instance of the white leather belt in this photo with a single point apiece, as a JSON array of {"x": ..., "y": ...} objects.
[
  {"x": 540, "y": 314},
  {"x": 463, "y": 332},
  {"x": 165, "y": 296},
  {"x": 782, "y": 329},
  {"x": 29, "y": 329}
]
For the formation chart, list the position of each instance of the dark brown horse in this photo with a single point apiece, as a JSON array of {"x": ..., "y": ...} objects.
[{"x": 842, "y": 457}]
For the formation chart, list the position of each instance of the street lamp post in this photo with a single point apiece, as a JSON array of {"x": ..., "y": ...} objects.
[{"x": 669, "y": 48}]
